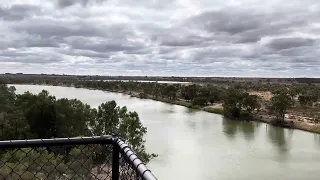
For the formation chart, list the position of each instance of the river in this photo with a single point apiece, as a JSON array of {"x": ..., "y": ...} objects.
[{"x": 196, "y": 145}]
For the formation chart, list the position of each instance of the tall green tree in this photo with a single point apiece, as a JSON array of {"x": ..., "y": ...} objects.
[
  {"x": 189, "y": 92},
  {"x": 113, "y": 119},
  {"x": 236, "y": 102},
  {"x": 251, "y": 103},
  {"x": 281, "y": 101}
]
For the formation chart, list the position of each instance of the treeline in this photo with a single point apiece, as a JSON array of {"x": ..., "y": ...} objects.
[
  {"x": 200, "y": 95},
  {"x": 28, "y": 116},
  {"x": 212, "y": 80},
  {"x": 236, "y": 98},
  {"x": 237, "y": 103}
]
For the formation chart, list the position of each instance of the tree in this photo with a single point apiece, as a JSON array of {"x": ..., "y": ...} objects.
[
  {"x": 281, "y": 101},
  {"x": 112, "y": 119},
  {"x": 41, "y": 115},
  {"x": 237, "y": 101},
  {"x": 204, "y": 92},
  {"x": 189, "y": 92},
  {"x": 169, "y": 91},
  {"x": 305, "y": 100},
  {"x": 232, "y": 103},
  {"x": 73, "y": 117},
  {"x": 216, "y": 94},
  {"x": 200, "y": 101},
  {"x": 251, "y": 103}
]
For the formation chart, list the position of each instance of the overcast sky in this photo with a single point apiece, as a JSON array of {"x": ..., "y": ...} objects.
[{"x": 266, "y": 38}]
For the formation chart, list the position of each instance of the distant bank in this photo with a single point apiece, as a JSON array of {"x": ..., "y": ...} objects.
[{"x": 261, "y": 117}]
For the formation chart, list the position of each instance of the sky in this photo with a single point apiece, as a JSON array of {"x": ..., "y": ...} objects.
[{"x": 246, "y": 38}]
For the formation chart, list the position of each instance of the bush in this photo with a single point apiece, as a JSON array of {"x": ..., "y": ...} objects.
[
  {"x": 200, "y": 101},
  {"x": 142, "y": 95},
  {"x": 233, "y": 112}
]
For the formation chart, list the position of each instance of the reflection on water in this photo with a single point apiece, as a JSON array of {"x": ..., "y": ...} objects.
[
  {"x": 277, "y": 137},
  {"x": 317, "y": 139},
  {"x": 191, "y": 111},
  {"x": 248, "y": 129},
  {"x": 230, "y": 128},
  {"x": 193, "y": 144},
  {"x": 234, "y": 128},
  {"x": 167, "y": 109}
]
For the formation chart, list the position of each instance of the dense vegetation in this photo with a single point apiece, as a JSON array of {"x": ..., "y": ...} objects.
[
  {"x": 28, "y": 116},
  {"x": 236, "y": 100},
  {"x": 236, "y": 97}
]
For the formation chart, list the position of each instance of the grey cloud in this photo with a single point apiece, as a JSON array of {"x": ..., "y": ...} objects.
[
  {"x": 177, "y": 36},
  {"x": 17, "y": 12},
  {"x": 104, "y": 45},
  {"x": 178, "y": 42},
  {"x": 287, "y": 43},
  {"x": 306, "y": 60},
  {"x": 32, "y": 41},
  {"x": 65, "y": 3},
  {"x": 68, "y": 3},
  {"x": 85, "y": 53},
  {"x": 11, "y": 54},
  {"x": 54, "y": 28},
  {"x": 27, "y": 58},
  {"x": 37, "y": 41},
  {"x": 248, "y": 39},
  {"x": 138, "y": 51},
  {"x": 166, "y": 50},
  {"x": 127, "y": 37},
  {"x": 247, "y": 25},
  {"x": 181, "y": 41},
  {"x": 228, "y": 21}
]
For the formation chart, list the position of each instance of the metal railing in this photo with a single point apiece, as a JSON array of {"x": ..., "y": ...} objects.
[{"x": 87, "y": 158}]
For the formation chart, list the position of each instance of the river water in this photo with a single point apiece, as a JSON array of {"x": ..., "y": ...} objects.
[{"x": 196, "y": 145}]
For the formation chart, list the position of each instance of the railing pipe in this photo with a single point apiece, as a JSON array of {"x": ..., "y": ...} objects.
[
  {"x": 107, "y": 139},
  {"x": 132, "y": 158}
]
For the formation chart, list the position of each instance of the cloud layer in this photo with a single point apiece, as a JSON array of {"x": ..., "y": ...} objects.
[{"x": 176, "y": 37}]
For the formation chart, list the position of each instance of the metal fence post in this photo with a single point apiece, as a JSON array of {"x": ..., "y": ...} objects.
[{"x": 115, "y": 161}]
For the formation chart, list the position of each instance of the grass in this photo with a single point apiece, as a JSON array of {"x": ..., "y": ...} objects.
[
  {"x": 179, "y": 102},
  {"x": 213, "y": 110}
]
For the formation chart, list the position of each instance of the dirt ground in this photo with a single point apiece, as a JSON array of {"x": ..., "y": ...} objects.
[{"x": 265, "y": 95}]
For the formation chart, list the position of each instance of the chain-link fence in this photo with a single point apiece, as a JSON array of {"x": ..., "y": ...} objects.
[{"x": 86, "y": 158}]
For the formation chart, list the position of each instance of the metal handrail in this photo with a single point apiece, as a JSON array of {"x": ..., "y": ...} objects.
[
  {"x": 132, "y": 158},
  {"x": 107, "y": 139}
]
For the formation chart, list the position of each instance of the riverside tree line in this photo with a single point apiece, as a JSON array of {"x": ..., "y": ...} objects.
[{"x": 236, "y": 101}]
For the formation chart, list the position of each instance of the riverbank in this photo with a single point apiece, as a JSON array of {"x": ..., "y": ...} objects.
[{"x": 261, "y": 117}]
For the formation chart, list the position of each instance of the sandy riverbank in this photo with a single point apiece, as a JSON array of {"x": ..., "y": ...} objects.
[
  {"x": 264, "y": 118},
  {"x": 216, "y": 109}
]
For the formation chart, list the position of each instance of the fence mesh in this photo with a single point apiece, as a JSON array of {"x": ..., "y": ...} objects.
[
  {"x": 126, "y": 170},
  {"x": 64, "y": 162}
]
